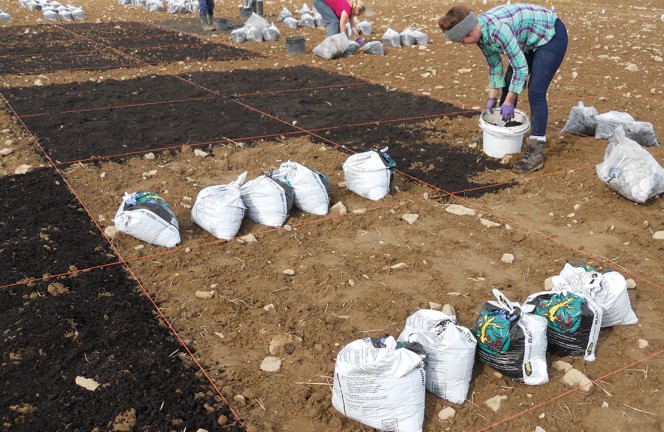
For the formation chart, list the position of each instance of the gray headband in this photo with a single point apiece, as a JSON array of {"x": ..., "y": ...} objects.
[{"x": 461, "y": 30}]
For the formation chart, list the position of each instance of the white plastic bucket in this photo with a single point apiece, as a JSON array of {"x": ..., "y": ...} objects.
[{"x": 499, "y": 140}]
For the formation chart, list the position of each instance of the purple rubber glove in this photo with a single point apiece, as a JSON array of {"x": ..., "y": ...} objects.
[
  {"x": 507, "y": 112},
  {"x": 359, "y": 41},
  {"x": 490, "y": 104}
]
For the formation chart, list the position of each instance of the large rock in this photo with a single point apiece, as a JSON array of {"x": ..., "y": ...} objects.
[
  {"x": 495, "y": 402},
  {"x": 271, "y": 364},
  {"x": 576, "y": 378}
]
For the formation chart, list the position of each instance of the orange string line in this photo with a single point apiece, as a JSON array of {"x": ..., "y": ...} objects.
[{"x": 573, "y": 390}]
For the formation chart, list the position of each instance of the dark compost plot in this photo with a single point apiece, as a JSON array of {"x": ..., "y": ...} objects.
[
  {"x": 126, "y": 116},
  {"x": 200, "y": 51},
  {"x": 132, "y": 34},
  {"x": 26, "y": 40},
  {"x": 69, "y": 136},
  {"x": 290, "y": 79},
  {"x": 153, "y": 44},
  {"x": 53, "y": 99},
  {"x": 193, "y": 25},
  {"x": 66, "y": 137},
  {"x": 96, "y": 325},
  {"x": 187, "y": 110},
  {"x": 65, "y": 57},
  {"x": 43, "y": 229},
  {"x": 45, "y": 48},
  {"x": 97, "y": 46},
  {"x": 322, "y": 108},
  {"x": 448, "y": 168}
]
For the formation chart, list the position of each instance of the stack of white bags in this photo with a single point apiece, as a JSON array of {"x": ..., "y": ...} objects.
[
  {"x": 53, "y": 10},
  {"x": 267, "y": 200},
  {"x": 220, "y": 209},
  {"x": 256, "y": 29},
  {"x": 5, "y": 17},
  {"x": 381, "y": 382}
]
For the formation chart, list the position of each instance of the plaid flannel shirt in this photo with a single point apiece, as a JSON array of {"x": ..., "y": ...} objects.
[{"x": 513, "y": 30}]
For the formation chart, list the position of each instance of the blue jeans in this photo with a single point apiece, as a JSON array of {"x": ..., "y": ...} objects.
[
  {"x": 206, "y": 6},
  {"x": 328, "y": 15},
  {"x": 543, "y": 63}
]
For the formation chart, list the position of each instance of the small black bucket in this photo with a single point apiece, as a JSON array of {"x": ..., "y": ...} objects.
[
  {"x": 221, "y": 24},
  {"x": 295, "y": 44}
]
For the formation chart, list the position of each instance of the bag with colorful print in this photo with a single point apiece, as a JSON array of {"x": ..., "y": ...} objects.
[
  {"x": 512, "y": 341},
  {"x": 573, "y": 322},
  {"x": 608, "y": 290}
]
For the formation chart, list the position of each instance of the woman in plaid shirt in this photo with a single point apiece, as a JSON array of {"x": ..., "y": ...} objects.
[{"x": 534, "y": 40}]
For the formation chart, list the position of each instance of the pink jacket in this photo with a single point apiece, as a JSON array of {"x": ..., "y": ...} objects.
[{"x": 339, "y": 6}]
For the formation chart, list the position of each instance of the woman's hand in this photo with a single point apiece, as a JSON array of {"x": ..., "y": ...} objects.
[
  {"x": 491, "y": 104},
  {"x": 507, "y": 111}
]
